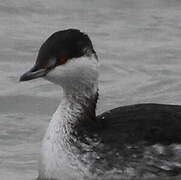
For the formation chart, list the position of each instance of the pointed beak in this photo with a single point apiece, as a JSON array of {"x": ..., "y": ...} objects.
[{"x": 33, "y": 74}]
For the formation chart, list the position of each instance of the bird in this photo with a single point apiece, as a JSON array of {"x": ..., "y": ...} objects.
[{"x": 128, "y": 142}]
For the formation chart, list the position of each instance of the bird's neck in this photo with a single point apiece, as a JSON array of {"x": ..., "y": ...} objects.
[
  {"x": 76, "y": 112},
  {"x": 71, "y": 121}
]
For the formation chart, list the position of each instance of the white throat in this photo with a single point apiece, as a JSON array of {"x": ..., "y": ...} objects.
[{"x": 79, "y": 79}]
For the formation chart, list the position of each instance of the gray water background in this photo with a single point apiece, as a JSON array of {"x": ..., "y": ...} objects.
[{"x": 139, "y": 46}]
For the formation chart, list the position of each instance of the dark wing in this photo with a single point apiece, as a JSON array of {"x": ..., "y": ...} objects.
[
  {"x": 144, "y": 139},
  {"x": 152, "y": 123},
  {"x": 135, "y": 142}
]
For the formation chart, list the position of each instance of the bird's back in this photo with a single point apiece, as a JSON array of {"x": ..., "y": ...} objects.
[
  {"x": 153, "y": 123},
  {"x": 138, "y": 141}
]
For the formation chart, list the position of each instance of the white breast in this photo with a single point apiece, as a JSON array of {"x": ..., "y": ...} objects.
[{"x": 57, "y": 159}]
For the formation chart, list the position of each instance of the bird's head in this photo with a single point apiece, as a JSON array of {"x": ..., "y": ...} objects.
[{"x": 63, "y": 57}]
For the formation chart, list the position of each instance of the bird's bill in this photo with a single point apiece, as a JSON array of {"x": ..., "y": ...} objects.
[{"x": 33, "y": 74}]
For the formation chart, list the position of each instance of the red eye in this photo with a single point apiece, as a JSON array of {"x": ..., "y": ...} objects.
[{"x": 61, "y": 60}]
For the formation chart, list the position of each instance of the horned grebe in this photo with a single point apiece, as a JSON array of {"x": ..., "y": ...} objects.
[{"x": 131, "y": 142}]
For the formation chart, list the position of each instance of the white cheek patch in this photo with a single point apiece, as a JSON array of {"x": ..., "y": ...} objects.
[
  {"x": 74, "y": 70},
  {"x": 55, "y": 75}
]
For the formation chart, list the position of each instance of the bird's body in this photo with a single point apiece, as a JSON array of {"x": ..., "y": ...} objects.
[
  {"x": 138, "y": 141},
  {"x": 130, "y": 142}
]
